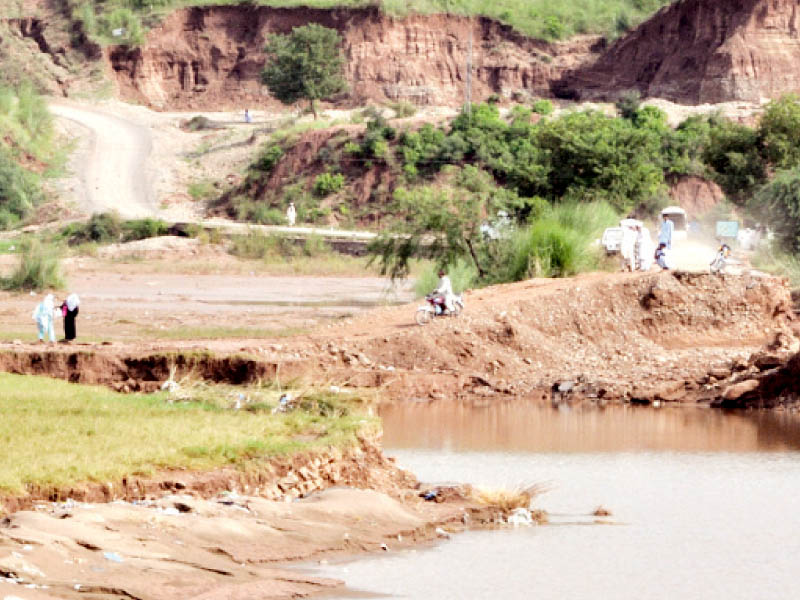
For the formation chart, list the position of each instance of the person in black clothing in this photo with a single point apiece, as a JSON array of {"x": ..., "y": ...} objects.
[{"x": 69, "y": 308}]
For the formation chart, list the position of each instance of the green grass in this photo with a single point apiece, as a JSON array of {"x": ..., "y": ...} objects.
[
  {"x": 540, "y": 18},
  {"x": 39, "y": 268},
  {"x": 778, "y": 262},
  {"x": 59, "y": 434}
]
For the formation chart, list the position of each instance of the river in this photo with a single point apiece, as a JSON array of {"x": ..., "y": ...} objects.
[{"x": 704, "y": 504}]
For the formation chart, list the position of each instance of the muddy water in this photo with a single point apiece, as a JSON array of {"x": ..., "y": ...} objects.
[{"x": 704, "y": 504}]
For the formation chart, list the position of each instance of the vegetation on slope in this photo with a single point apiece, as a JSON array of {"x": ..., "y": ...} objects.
[
  {"x": 438, "y": 188},
  {"x": 26, "y": 152},
  {"x": 538, "y": 18}
]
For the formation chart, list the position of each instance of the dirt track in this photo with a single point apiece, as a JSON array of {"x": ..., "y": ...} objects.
[{"x": 114, "y": 173}]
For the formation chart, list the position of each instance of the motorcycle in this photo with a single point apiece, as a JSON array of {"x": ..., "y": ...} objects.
[{"x": 434, "y": 307}]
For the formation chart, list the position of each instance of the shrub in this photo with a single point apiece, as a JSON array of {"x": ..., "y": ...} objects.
[
  {"x": 328, "y": 183},
  {"x": 779, "y": 132},
  {"x": 543, "y": 107},
  {"x": 270, "y": 157},
  {"x": 256, "y": 245},
  {"x": 198, "y": 123},
  {"x": 545, "y": 249},
  {"x": 126, "y": 20},
  {"x": 733, "y": 155},
  {"x": 103, "y": 228},
  {"x": 39, "y": 268},
  {"x": 141, "y": 229},
  {"x": 628, "y": 103},
  {"x": 19, "y": 191},
  {"x": 778, "y": 203},
  {"x": 403, "y": 110}
]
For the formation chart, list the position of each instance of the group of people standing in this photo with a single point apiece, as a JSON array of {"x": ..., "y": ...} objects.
[
  {"x": 45, "y": 312},
  {"x": 637, "y": 248}
]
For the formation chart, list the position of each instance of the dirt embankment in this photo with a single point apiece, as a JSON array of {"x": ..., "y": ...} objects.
[
  {"x": 195, "y": 542},
  {"x": 699, "y": 51},
  {"x": 211, "y": 57},
  {"x": 607, "y": 337}
]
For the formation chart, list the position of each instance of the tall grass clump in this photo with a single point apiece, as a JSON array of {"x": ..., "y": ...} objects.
[
  {"x": 544, "y": 249},
  {"x": 39, "y": 268},
  {"x": 778, "y": 262},
  {"x": 559, "y": 244}
]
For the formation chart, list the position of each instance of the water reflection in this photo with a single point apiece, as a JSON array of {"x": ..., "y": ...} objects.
[{"x": 532, "y": 427}]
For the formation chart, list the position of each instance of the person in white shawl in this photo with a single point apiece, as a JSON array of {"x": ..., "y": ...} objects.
[
  {"x": 646, "y": 249},
  {"x": 43, "y": 315}
]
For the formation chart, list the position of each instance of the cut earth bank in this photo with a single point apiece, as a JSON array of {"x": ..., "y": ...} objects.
[{"x": 667, "y": 337}]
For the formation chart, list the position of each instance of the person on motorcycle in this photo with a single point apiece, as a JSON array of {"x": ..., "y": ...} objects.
[{"x": 445, "y": 289}]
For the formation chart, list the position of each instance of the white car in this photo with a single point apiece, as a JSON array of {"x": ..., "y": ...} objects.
[{"x": 612, "y": 240}]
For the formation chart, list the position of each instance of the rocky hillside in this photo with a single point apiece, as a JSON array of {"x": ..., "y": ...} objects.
[
  {"x": 212, "y": 57},
  {"x": 700, "y": 51}
]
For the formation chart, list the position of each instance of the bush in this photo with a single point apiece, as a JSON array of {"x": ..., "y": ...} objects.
[
  {"x": 39, "y": 268},
  {"x": 628, "y": 104},
  {"x": 19, "y": 191},
  {"x": 778, "y": 203},
  {"x": 328, "y": 183},
  {"x": 270, "y": 157},
  {"x": 126, "y": 20},
  {"x": 779, "y": 132},
  {"x": 256, "y": 245},
  {"x": 103, "y": 228},
  {"x": 545, "y": 249},
  {"x": 141, "y": 229},
  {"x": 199, "y": 123},
  {"x": 403, "y": 110},
  {"x": 734, "y": 156},
  {"x": 543, "y": 107}
]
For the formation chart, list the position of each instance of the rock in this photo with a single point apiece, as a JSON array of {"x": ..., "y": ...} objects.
[
  {"x": 737, "y": 390},
  {"x": 700, "y": 51}
]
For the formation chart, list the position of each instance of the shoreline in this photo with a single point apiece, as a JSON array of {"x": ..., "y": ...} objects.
[{"x": 226, "y": 543}]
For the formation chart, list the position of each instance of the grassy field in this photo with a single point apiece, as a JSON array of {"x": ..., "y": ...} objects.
[{"x": 57, "y": 434}]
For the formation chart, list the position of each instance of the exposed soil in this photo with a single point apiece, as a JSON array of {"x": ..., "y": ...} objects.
[
  {"x": 634, "y": 337},
  {"x": 699, "y": 51},
  {"x": 221, "y": 535},
  {"x": 211, "y": 57}
]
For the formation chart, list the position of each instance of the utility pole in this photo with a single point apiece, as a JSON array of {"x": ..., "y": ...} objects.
[{"x": 468, "y": 90}]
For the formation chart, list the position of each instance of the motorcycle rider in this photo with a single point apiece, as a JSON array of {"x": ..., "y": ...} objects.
[{"x": 445, "y": 289}]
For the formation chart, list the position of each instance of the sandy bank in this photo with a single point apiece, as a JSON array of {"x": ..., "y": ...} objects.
[{"x": 220, "y": 536}]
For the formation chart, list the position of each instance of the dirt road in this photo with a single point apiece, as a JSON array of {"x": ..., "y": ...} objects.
[{"x": 114, "y": 171}]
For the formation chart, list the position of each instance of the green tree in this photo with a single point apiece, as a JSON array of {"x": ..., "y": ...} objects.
[
  {"x": 442, "y": 223},
  {"x": 778, "y": 203},
  {"x": 779, "y": 132},
  {"x": 306, "y": 64},
  {"x": 734, "y": 155}
]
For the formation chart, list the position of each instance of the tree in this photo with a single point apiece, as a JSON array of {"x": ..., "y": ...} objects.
[
  {"x": 778, "y": 203},
  {"x": 306, "y": 64},
  {"x": 443, "y": 223}
]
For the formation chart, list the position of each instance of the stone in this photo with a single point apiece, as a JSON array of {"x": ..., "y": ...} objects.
[{"x": 737, "y": 390}]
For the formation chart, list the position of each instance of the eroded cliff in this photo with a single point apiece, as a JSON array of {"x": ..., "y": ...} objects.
[{"x": 212, "y": 57}]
